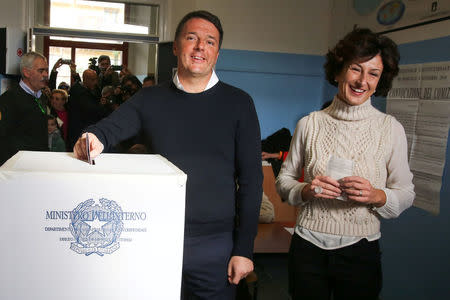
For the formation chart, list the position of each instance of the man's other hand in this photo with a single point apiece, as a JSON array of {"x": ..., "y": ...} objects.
[{"x": 239, "y": 267}]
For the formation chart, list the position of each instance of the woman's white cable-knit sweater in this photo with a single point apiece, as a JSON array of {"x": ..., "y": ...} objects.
[{"x": 374, "y": 141}]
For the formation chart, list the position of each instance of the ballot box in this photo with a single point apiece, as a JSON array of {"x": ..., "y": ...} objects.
[{"x": 70, "y": 230}]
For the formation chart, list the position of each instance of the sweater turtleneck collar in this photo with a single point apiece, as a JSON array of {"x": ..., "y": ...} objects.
[{"x": 343, "y": 111}]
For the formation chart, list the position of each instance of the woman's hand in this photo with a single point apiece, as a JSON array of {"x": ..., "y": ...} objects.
[
  {"x": 321, "y": 187},
  {"x": 360, "y": 190},
  {"x": 266, "y": 155}
]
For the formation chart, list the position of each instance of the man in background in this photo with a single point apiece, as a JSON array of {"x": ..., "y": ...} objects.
[
  {"x": 23, "y": 122},
  {"x": 149, "y": 80},
  {"x": 107, "y": 75},
  {"x": 85, "y": 107}
]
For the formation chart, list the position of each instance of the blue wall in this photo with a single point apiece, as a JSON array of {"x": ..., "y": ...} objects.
[
  {"x": 284, "y": 87},
  {"x": 416, "y": 246}
]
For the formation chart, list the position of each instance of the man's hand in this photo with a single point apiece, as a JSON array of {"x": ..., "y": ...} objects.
[
  {"x": 79, "y": 150},
  {"x": 57, "y": 64},
  {"x": 73, "y": 68},
  {"x": 108, "y": 71},
  {"x": 239, "y": 267},
  {"x": 124, "y": 71}
]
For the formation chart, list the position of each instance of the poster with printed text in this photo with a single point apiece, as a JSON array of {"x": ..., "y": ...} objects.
[{"x": 420, "y": 100}]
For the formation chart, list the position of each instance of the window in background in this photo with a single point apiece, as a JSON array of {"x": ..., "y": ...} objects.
[
  {"x": 56, "y": 53},
  {"x": 98, "y": 16},
  {"x": 92, "y": 28}
]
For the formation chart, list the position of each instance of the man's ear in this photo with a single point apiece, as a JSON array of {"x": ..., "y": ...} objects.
[
  {"x": 175, "y": 48},
  {"x": 26, "y": 72}
]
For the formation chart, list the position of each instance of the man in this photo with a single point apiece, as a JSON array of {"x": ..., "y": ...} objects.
[
  {"x": 209, "y": 130},
  {"x": 85, "y": 107},
  {"x": 130, "y": 85},
  {"x": 23, "y": 124},
  {"x": 148, "y": 81},
  {"x": 107, "y": 75}
]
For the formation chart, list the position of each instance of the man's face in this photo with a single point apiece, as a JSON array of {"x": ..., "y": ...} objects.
[
  {"x": 197, "y": 49},
  {"x": 148, "y": 83},
  {"x": 104, "y": 64},
  {"x": 130, "y": 87},
  {"x": 58, "y": 102},
  {"x": 90, "y": 81},
  {"x": 36, "y": 78}
]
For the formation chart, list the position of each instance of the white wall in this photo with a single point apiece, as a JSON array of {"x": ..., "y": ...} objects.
[
  {"x": 288, "y": 26},
  {"x": 344, "y": 17},
  {"x": 426, "y": 32},
  {"x": 12, "y": 13}
]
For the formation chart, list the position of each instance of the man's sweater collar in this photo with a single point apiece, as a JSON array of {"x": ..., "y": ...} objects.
[{"x": 213, "y": 80}]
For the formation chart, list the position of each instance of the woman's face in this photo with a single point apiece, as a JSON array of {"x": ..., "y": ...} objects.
[
  {"x": 359, "y": 80},
  {"x": 58, "y": 102}
]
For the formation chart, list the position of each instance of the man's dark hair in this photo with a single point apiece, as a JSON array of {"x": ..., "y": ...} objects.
[
  {"x": 361, "y": 45},
  {"x": 201, "y": 14},
  {"x": 149, "y": 77},
  {"x": 133, "y": 80},
  {"x": 103, "y": 57}
]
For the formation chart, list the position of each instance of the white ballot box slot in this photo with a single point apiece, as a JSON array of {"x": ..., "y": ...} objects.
[{"x": 70, "y": 230}]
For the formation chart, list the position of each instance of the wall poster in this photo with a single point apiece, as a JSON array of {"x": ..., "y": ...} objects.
[{"x": 420, "y": 100}]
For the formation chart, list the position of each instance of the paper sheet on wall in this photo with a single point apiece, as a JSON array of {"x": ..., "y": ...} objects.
[{"x": 420, "y": 100}]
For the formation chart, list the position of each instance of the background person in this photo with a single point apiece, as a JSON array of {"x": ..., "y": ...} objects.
[
  {"x": 23, "y": 123},
  {"x": 335, "y": 247},
  {"x": 64, "y": 86},
  {"x": 149, "y": 81},
  {"x": 58, "y": 108},
  {"x": 55, "y": 141},
  {"x": 85, "y": 107},
  {"x": 130, "y": 84},
  {"x": 107, "y": 75},
  {"x": 210, "y": 130}
]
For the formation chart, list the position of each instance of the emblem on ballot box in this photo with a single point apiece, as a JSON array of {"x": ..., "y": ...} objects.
[{"x": 96, "y": 228}]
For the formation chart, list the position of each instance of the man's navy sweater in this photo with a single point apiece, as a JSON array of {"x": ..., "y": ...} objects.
[{"x": 214, "y": 137}]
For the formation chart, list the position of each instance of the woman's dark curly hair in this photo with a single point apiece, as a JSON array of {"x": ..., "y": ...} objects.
[{"x": 361, "y": 45}]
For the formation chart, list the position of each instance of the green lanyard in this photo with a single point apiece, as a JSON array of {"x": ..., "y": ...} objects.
[{"x": 37, "y": 101}]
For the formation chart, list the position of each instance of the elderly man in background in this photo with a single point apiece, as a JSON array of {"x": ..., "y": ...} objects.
[
  {"x": 23, "y": 122},
  {"x": 85, "y": 107}
]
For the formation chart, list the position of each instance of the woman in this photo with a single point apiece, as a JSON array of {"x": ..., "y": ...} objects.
[{"x": 356, "y": 172}]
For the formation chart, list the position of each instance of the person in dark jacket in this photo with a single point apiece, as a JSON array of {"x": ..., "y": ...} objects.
[
  {"x": 23, "y": 122},
  {"x": 85, "y": 107},
  {"x": 210, "y": 130}
]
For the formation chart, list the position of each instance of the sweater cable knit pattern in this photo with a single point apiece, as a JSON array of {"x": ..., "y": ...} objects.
[{"x": 358, "y": 133}]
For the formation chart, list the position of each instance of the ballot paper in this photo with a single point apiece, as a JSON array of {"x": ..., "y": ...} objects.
[
  {"x": 70, "y": 230},
  {"x": 338, "y": 168}
]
